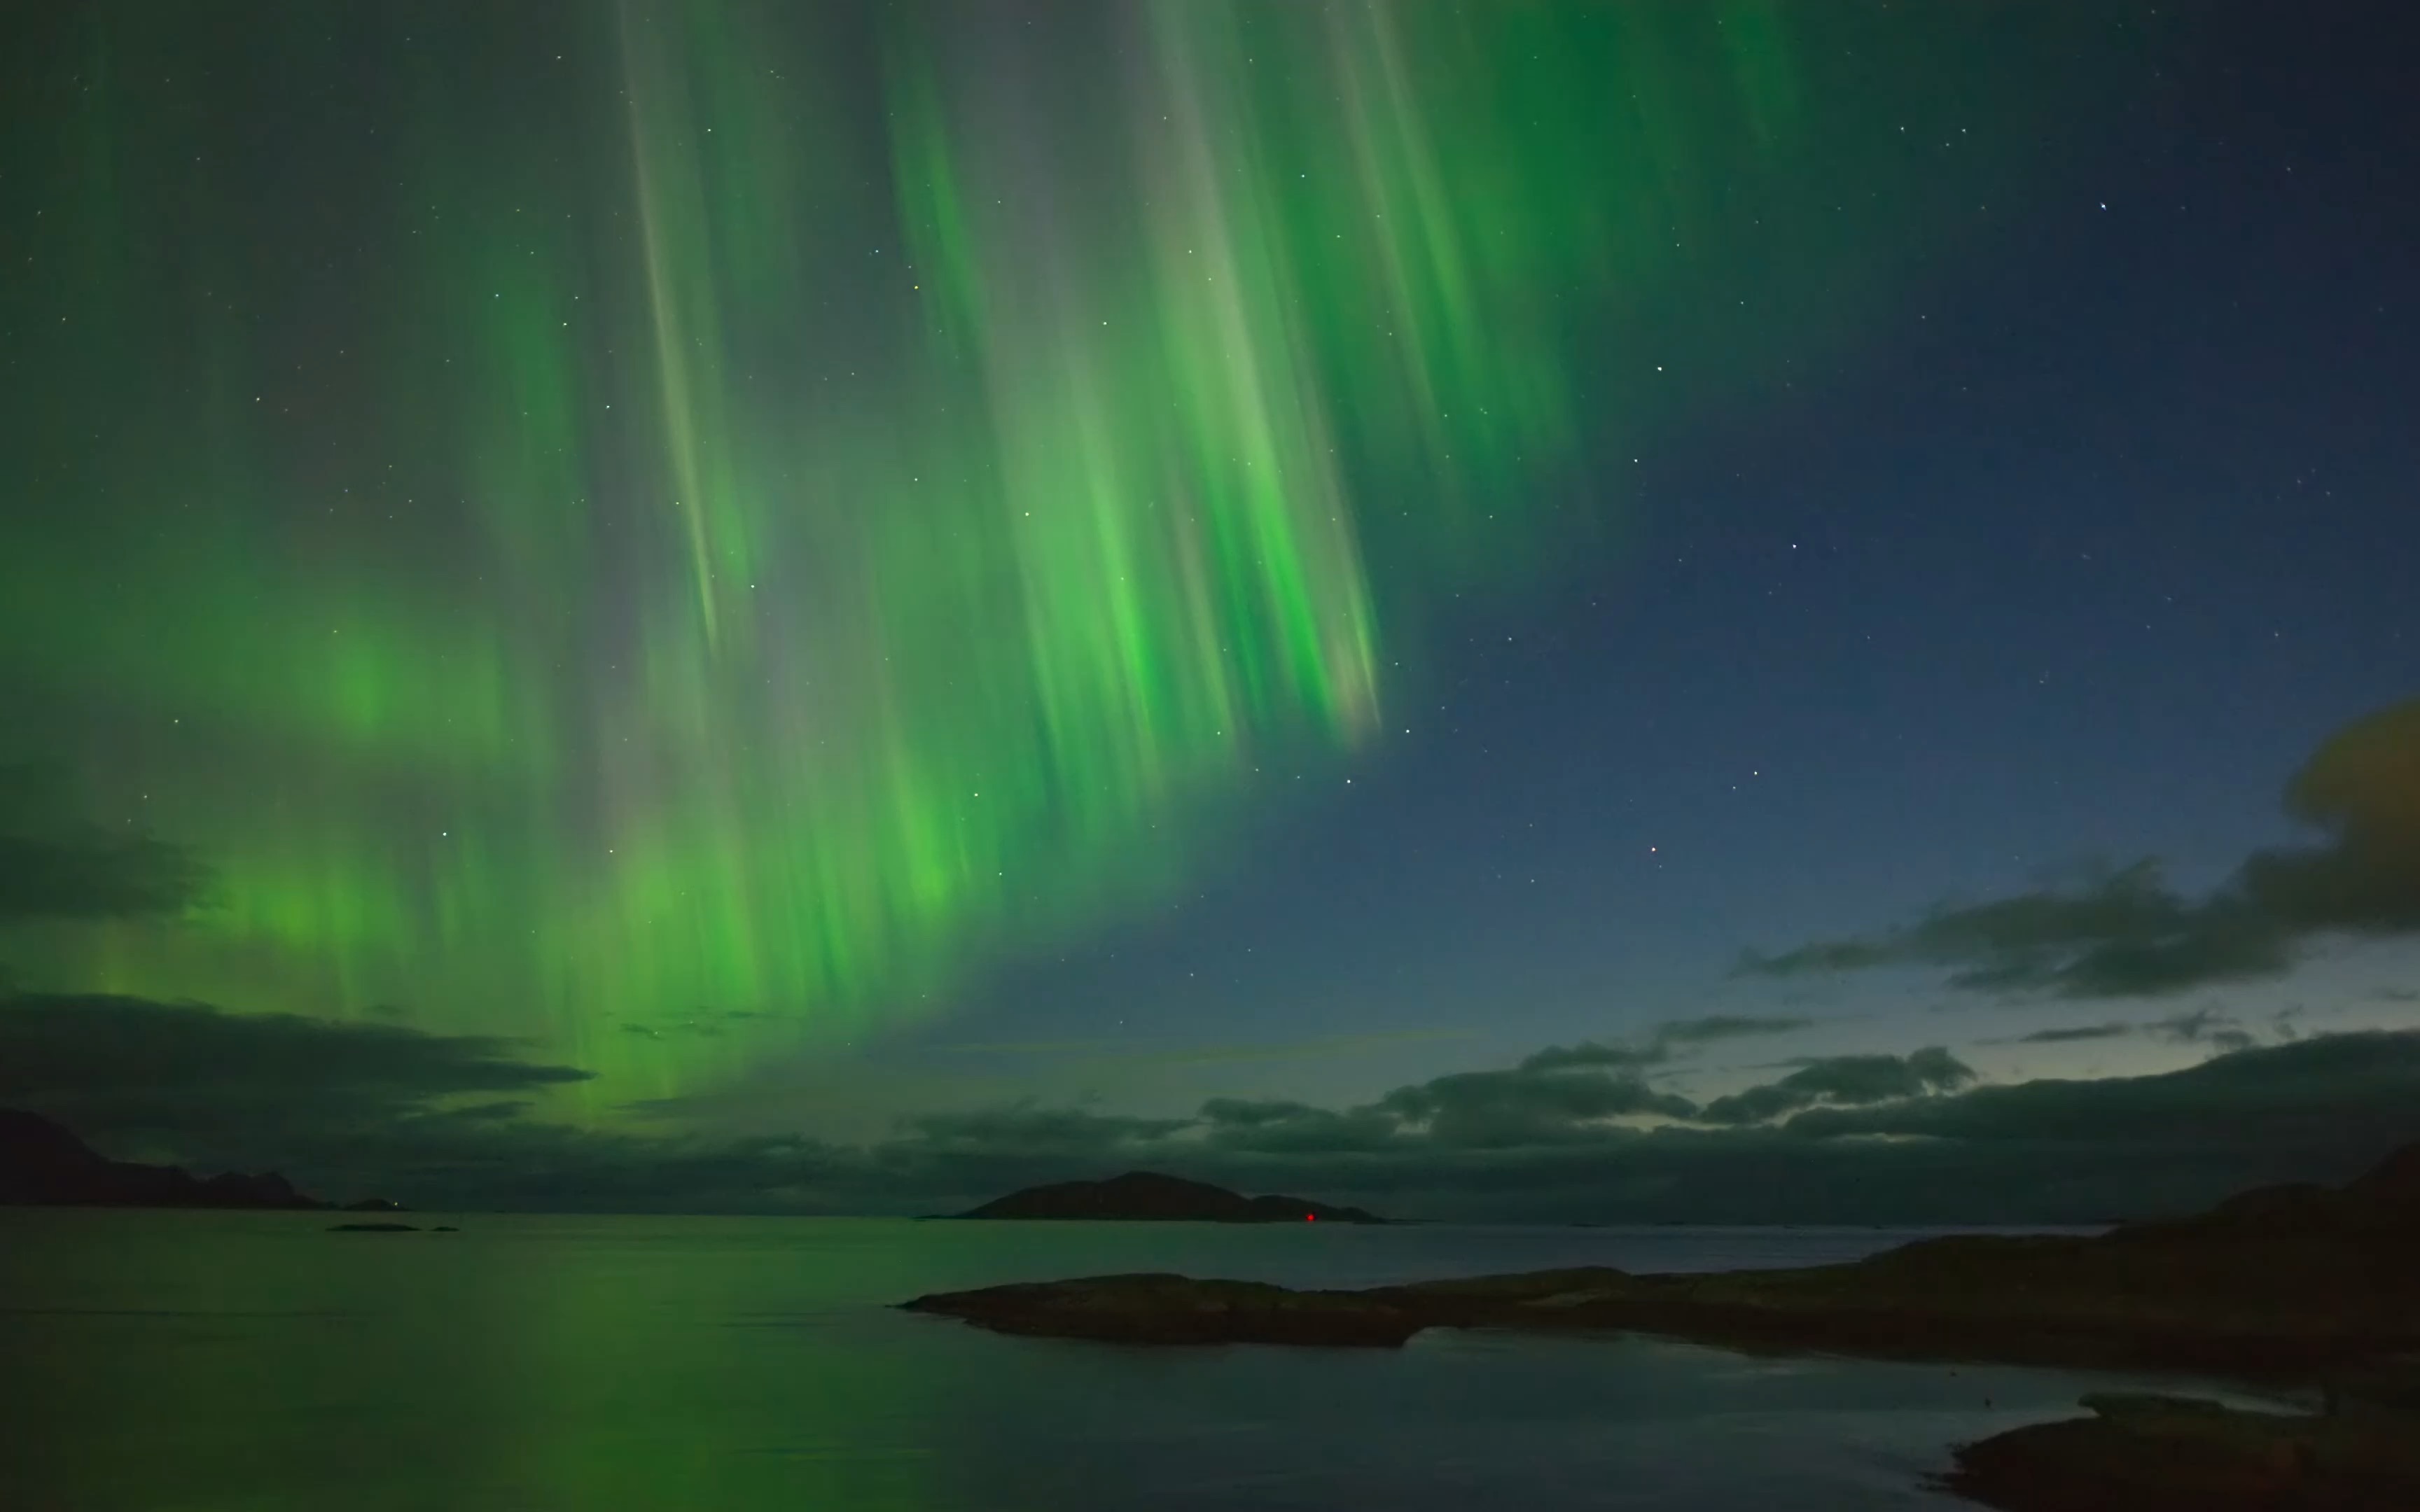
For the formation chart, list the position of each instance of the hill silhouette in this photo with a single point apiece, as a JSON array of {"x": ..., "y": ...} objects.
[
  {"x": 44, "y": 1164},
  {"x": 1148, "y": 1196}
]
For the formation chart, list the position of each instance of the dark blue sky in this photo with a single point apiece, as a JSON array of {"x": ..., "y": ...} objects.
[
  {"x": 2000, "y": 484},
  {"x": 2074, "y": 555}
]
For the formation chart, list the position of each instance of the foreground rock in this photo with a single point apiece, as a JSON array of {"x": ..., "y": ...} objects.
[
  {"x": 2292, "y": 1283},
  {"x": 1175, "y": 1309},
  {"x": 1149, "y": 1197},
  {"x": 2169, "y": 1454},
  {"x": 2297, "y": 1282}
]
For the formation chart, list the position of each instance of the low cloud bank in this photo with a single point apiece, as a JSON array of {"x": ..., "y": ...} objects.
[{"x": 1570, "y": 1132}]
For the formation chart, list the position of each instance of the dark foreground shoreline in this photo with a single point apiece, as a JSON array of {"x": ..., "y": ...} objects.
[
  {"x": 2170, "y": 1454},
  {"x": 2290, "y": 1286}
]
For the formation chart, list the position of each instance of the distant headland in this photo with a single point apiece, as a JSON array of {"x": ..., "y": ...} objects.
[
  {"x": 1148, "y": 1196},
  {"x": 44, "y": 1164}
]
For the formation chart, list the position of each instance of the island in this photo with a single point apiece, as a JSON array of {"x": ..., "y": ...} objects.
[
  {"x": 1148, "y": 1196},
  {"x": 44, "y": 1164},
  {"x": 2290, "y": 1285}
]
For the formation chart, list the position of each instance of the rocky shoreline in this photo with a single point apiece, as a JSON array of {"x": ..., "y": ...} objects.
[
  {"x": 2173, "y": 1454},
  {"x": 2290, "y": 1285},
  {"x": 2298, "y": 1281}
]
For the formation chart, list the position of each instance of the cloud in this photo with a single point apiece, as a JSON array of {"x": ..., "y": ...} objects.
[
  {"x": 436, "y": 1120},
  {"x": 2123, "y": 934},
  {"x": 1714, "y": 1027},
  {"x": 1528, "y": 1105},
  {"x": 1279, "y": 1127},
  {"x": 1847, "y": 1080},
  {"x": 185, "y": 1072},
  {"x": 1953, "y": 1150},
  {"x": 94, "y": 877},
  {"x": 2363, "y": 788},
  {"x": 1588, "y": 1053},
  {"x": 1662, "y": 1043},
  {"x": 1028, "y": 1130},
  {"x": 2203, "y": 1026},
  {"x": 2129, "y": 934},
  {"x": 2075, "y": 1032},
  {"x": 52, "y": 869},
  {"x": 2351, "y": 1091}
]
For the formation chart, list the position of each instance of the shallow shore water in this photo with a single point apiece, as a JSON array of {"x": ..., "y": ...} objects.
[{"x": 202, "y": 1361}]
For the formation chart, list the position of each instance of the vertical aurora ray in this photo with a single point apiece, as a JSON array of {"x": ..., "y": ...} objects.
[{"x": 715, "y": 519}]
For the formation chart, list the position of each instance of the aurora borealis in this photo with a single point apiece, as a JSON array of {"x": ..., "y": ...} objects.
[
  {"x": 672, "y": 635},
  {"x": 736, "y": 511},
  {"x": 682, "y": 533},
  {"x": 1192, "y": 575}
]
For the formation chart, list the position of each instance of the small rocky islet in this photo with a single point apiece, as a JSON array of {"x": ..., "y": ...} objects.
[
  {"x": 1149, "y": 1197},
  {"x": 2292, "y": 1286}
]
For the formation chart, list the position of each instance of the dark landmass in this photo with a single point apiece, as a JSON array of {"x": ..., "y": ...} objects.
[
  {"x": 373, "y": 1228},
  {"x": 2171, "y": 1454},
  {"x": 1175, "y": 1309},
  {"x": 42, "y": 1165},
  {"x": 2293, "y": 1281},
  {"x": 1149, "y": 1197},
  {"x": 2293, "y": 1284}
]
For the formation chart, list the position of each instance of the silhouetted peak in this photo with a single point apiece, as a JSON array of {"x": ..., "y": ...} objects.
[
  {"x": 44, "y": 1164},
  {"x": 28, "y": 1140}
]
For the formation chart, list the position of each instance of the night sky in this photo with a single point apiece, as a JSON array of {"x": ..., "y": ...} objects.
[{"x": 1537, "y": 611}]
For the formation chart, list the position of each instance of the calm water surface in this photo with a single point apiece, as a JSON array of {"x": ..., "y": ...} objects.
[{"x": 225, "y": 1361}]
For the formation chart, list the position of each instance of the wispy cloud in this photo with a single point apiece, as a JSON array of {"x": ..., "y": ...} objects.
[
  {"x": 2127, "y": 933},
  {"x": 2075, "y": 1032},
  {"x": 1844, "y": 1081},
  {"x": 55, "y": 868}
]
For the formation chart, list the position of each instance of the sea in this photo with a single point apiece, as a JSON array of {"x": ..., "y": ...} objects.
[{"x": 210, "y": 1362}]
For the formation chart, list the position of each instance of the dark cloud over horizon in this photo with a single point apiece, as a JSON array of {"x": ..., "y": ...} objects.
[
  {"x": 444, "y": 1120},
  {"x": 2074, "y": 1033},
  {"x": 186, "y": 1075},
  {"x": 2127, "y": 933},
  {"x": 1844, "y": 1080},
  {"x": 2202, "y": 1026}
]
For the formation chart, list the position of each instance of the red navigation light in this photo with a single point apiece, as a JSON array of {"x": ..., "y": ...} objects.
[{"x": 1311, "y": 1217}]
